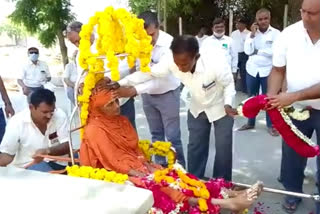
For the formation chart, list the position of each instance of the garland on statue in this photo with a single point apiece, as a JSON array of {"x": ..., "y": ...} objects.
[{"x": 120, "y": 33}]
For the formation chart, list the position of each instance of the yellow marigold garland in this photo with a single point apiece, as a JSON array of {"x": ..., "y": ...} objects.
[
  {"x": 158, "y": 148},
  {"x": 119, "y": 32},
  {"x": 97, "y": 174}
]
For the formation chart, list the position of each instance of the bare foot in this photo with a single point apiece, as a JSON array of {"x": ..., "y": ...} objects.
[{"x": 241, "y": 200}]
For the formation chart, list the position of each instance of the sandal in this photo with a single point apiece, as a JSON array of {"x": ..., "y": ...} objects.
[
  {"x": 245, "y": 127},
  {"x": 290, "y": 206},
  {"x": 273, "y": 132}
]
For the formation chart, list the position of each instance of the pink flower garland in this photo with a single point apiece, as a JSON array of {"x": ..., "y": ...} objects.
[
  {"x": 252, "y": 107},
  {"x": 166, "y": 204}
]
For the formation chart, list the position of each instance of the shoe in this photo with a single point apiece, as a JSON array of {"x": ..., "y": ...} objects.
[
  {"x": 245, "y": 127},
  {"x": 273, "y": 132},
  {"x": 290, "y": 206}
]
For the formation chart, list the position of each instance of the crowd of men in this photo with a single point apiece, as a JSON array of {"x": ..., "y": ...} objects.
[{"x": 282, "y": 65}]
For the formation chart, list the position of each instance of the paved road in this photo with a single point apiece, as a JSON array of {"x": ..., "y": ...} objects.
[{"x": 256, "y": 154}]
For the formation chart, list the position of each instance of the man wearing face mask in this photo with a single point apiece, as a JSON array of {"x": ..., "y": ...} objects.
[
  {"x": 220, "y": 42},
  {"x": 35, "y": 74},
  {"x": 258, "y": 46}
]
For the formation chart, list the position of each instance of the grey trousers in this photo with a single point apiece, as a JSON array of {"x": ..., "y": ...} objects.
[
  {"x": 162, "y": 112},
  {"x": 198, "y": 147}
]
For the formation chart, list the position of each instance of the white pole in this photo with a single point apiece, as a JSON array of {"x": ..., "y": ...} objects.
[
  {"x": 230, "y": 21},
  {"x": 180, "y": 26},
  {"x": 165, "y": 15},
  {"x": 285, "y": 17}
]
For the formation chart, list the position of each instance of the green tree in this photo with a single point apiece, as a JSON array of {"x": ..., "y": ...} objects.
[
  {"x": 45, "y": 18},
  {"x": 13, "y": 31}
]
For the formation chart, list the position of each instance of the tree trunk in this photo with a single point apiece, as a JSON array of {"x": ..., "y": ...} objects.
[
  {"x": 63, "y": 48},
  {"x": 294, "y": 13}
]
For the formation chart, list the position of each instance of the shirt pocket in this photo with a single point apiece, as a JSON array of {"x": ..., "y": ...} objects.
[{"x": 42, "y": 75}]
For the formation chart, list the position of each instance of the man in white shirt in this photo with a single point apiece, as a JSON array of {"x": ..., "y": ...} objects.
[
  {"x": 202, "y": 35},
  {"x": 258, "y": 46},
  {"x": 239, "y": 37},
  {"x": 35, "y": 74},
  {"x": 161, "y": 95},
  {"x": 127, "y": 105},
  {"x": 296, "y": 57},
  {"x": 40, "y": 129},
  {"x": 211, "y": 85},
  {"x": 70, "y": 77},
  {"x": 220, "y": 42},
  {"x": 9, "y": 111}
]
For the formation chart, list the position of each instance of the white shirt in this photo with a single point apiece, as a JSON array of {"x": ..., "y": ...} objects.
[
  {"x": 211, "y": 85},
  {"x": 35, "y": 75},
  {"x": 238, "y": 39},
  {"x": 225, "y": 44},
  {"x": 70, "y": 72},
  {"x": 201, "y": 39},
  {"x": 159, "y": 85},
  {"x": 295, "y": 50},
  {"x": 260, "y": 63},
  {"x": 23, "y": 138}
]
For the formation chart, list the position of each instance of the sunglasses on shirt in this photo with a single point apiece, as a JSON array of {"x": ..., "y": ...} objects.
[{"x": 33, "y": 52}]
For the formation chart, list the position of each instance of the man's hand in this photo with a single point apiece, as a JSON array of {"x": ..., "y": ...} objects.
[
  {"x": 40, "y": 152},
  {"x": 254, "y": 28},
  {"x": 25, "y": 90},
  {"x": 136, "y": 173},
  {"x": 9, "y": 110},
  {"x": 230, "y": 111},
  {"x": 281, "y": 100},
  {"x": 126, "y": 92}
]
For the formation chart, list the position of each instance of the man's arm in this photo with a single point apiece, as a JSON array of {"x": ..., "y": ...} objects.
[
  {"x": 10, "y": 142},
  {"x": 249, "y": 47},
  {"x": 8, "y": 107},
  {"x": 57, "y": 150},
  {"x": 68, "y": 82},
  {"x": 234, "y": 58},
  {"x": 275, "y": 80},
  {"x": 5, "y": 159},
  {"x": 287, "y": 99}
]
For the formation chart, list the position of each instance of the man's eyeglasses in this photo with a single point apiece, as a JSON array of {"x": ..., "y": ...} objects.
[{"x": 33, "y": 52}]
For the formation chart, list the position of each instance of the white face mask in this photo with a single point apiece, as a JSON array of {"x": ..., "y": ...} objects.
[
  {"x": 219, "y": 35},
  {"x": 33, "y": 57}
]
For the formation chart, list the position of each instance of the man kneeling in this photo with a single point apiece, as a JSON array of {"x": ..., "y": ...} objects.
[{"x": 38, "y": 130}]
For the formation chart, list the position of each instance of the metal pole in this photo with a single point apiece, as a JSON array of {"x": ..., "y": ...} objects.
[
  {"x": 283, "y": 192},
  {"x": 180, "y": 26},
  {"x": 75, "y": 109},
  {"x": 159, "y": 9},
  {"x": 230, "y": 21},
  {"x": 165, "y": 15},
  {"x": 285, "y": 17}
]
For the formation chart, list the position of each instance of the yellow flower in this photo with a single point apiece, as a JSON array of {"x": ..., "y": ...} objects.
[
  {"x": 203, "y": 205},
  {"x": 118, "y": 32}
]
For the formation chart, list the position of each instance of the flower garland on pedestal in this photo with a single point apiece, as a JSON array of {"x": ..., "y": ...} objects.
[
  {"x": 280, "y": 119},
  {"x": 160, "y": 148},
  {"x": 97, "y": 174},
  {"x": 119, "y": 32}
]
